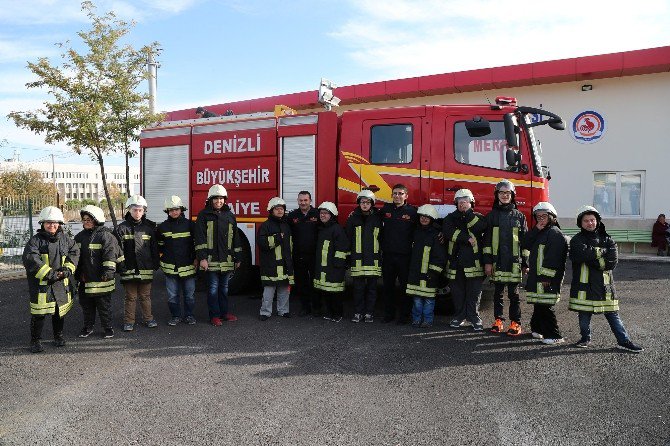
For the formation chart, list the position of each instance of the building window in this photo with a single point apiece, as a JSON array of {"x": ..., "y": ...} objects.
[
  {"x": 619, "y": 194},
  {"x": 391, "y": 144}
]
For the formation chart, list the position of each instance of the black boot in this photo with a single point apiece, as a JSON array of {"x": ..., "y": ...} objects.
[
  {"x": 59, "y": 341},
  {"x": 36, "y": 346}
]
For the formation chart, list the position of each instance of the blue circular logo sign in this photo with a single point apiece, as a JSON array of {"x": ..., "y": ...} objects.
[{"x": 588, "y": 127}]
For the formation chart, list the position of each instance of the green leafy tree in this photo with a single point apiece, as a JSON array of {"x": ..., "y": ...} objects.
[
  {"x": 26, "y": 183},
  {"x": 95, "y": 104}
]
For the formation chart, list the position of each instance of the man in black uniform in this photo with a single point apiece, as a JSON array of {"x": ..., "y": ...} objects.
[
  {"x": 304, "y": 222},
  {"x": 399, "y": 220}
]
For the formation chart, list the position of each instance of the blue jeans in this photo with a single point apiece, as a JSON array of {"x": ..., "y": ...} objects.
[
  {"x": 612, "y": 318},
  {"x": 217, "y": 293},
  {"x": 176, "y": 287},
  {"x": 423, "y": 307}
]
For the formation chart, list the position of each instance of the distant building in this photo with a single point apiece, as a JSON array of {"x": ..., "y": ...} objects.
[{"x": 79, "y": 182}]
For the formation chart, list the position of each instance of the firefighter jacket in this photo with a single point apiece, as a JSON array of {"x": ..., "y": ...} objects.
[
  {"x": 274, "y": 244},
  {"x": 594, "y": 256},
  {"x": 427, "y": 262},
  {"x": 506, "y": 228},
  {"x": 363, "y": 233},
  {"x": 546, "y": 264},
  {"x": 332, "y": 248},
  {"x": 304, "y": 229},
  {"x": 458, "y": 227},
  {"x": 100, "y": 253},
  {"x": 43, "y": 257},
  {"x": 176, "y": 248},
  {"x": 399, "y": 223},
  {"x": 140, "y": 249},
  {"x": 216, "y": 238}
]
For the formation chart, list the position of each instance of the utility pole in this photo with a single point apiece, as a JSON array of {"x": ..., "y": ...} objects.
[
  {"x": 152, "y": 68},
  {"x": 53, "y": 175}
]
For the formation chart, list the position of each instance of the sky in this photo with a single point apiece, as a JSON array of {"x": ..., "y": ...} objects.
[{"x": 216, "y": 51}]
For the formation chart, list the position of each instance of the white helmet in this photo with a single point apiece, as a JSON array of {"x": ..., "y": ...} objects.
[
  {"x": 274, "y": 202},
  {"x": 94, "y": 212},
  {"x": 428, "y": 210},
  {"x": 174, "y": 202},
  {"x": 217, "y": 191},
  {"x": 329, "y": 206},
  {"x": 586, "y": 209},
  {"x": 464, "y": 193},
  {"x": 366, "y": 193},
  {"x": 136, "y": 200},
  {"x": 51, "y": 213},
  {"x": 545, "y": 206}
]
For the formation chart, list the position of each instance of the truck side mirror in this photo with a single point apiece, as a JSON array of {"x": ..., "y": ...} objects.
[
  {"x": 477, "y": 127},
  {"x": 510, "y": 131},
  {"x": 513, "y": 157}
]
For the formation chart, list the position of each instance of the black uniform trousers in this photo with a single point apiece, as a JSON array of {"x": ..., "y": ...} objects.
[
  {"x": 303, "y": 270},
  {"x": 396, "y": 266},
  {"x": 365, "y": 295},
  {"x": 466, "y": 294},
  {"x": 90, "y": 302},
  {"x": 37, "y": 324},
  {"x": 334, "y": 304},
  {"x": 544, "y": 321},
  {"x": 514, "y": 301}
]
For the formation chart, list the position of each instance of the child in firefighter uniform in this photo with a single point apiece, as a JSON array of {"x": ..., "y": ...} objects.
[
  {"x": 217, "y": 248},
  {"x": 177, "y": 260},
  {"x": 548, "y": 252},
  {"x": 137, "y": 236},
  {"x": 332, "y": 249},
  {"x": 502, "y": 255},
  {"x": 426, "y": 264},
  {"x": 50, "y": 258},
  {"x": 100, "y": 253},
  {"x": 276, "y": 262},
  {"x": 463, "y": 232},
  {"x": 363, "y": 227},
  {"x": 594, "y": 255}
]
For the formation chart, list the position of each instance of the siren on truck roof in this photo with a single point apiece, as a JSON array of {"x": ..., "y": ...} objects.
[{"x": 326, "y": 96}]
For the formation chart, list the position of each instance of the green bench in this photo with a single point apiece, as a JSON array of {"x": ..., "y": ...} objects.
[{"x": 633, "y": 236}]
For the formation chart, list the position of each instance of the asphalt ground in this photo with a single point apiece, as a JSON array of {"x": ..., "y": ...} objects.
[{"x": 314, "y": 382}]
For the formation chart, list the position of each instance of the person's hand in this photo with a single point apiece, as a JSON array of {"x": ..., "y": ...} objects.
[
  {"x": 204, "y": 265},
  {"x": 473, "y": 241},
  {"x": 237, "y": 264},
  {"x": 440, "y": 238},
  {"x": 546, "y": 284},
  {"x": 488, "y": 269},
  {"x": 541, "y": 224},
  {"x": 524, "y": 270}
]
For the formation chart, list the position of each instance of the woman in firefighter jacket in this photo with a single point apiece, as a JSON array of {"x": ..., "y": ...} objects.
[
  {"x": 463, "y": 232},
  {"x": 50, "y": 258},
  {"x": 426, "y": 264},
  {"x": 217, "y": 248},
  {"x": 332, "y": 249},
  {"x": 548, "y": 251},
  {"x": 363, "y": 227},
  {"x": 276, "y": 262},
  {"x": 503, "y": 259},
  {"x": 95, "y": 272},
  {"x": 137, "y": 236},
  {"x": 175, "y": 245},
  {"x": 594, "y": 255}
]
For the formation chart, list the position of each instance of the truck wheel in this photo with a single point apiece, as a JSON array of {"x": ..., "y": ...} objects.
[{"x": 246, "y": 276}]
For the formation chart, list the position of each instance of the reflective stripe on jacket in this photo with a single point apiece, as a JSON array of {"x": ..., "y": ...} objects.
[
  {"x": 331, "y": 257},
  {"x": 100, "y": 253},
  {"x": 546, "y": 264},
  {"x": 458, "y": 227},
  {"x": 276, "y": 260},
  {"x": 140, "y": 249},
  {"x": 427, "y": 262},
  {"x": 363, "y": 233},
  {"x": 176, "y": 246},
  {"x": 502, "y": 243},
  {"x": 216, "y": 239}
]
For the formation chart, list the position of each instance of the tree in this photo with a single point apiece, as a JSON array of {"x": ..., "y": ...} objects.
[
  {"x": 95, "y": 104},
  {"x": 25, "y": 182}
]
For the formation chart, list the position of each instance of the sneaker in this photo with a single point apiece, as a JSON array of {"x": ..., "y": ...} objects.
[
  {"x": 216, "y": 321},
  {"x": 328, "y": 318},
  {"x": 536, "y": 335},
  {"x": 369, "y": 318},
  {"x": 286, "y": 315},
  {"x": 455, "y": 323},
  {"x": 628, "y": 345},
  {"x": 85, "y": 332},
  {"x": 498, "y": 326},
  {"x": 416, "y": 324},
  {"x": 583, "y": 343},
  {"x": 357, "y": 318},
  {"x": 151, "y": 324},
  {"x": 262, "y": 317},
  {"x": 189, "y": 320},
  {"x": 229, "y": 317},
  {"x": 514, "y": 329},
  {"x": 477, "y": 326},
  {"x": 36, "y": 347},
  {"x": 174, "y": 321},
  {"x": 128, "y": 327},
  {"x": 109, "y": 333},
  {"x": 553, "y": 341},
  {"x": 426, "y": 325},
  {"x": 59, "y": 341},
  {"x": 336, "y": 318}
]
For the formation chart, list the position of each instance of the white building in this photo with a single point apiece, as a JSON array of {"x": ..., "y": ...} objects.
[{"x": 78, "y": 182}]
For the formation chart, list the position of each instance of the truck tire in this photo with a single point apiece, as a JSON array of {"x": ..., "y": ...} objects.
[{"x": 246, "y": 277}]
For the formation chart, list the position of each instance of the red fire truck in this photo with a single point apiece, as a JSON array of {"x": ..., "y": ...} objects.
[{"x": 433, "y": 150}]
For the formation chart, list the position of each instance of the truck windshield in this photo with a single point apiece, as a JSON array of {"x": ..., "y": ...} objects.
[{"x": 534, "y": 149}]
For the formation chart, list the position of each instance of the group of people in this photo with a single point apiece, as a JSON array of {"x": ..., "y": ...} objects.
[{"x": 307, "y": 252}]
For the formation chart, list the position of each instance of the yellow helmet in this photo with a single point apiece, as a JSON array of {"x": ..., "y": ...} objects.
[
  {"x": 94, "y": 212},
  {"x": 51, "y": 213},
  {"x": 174, "y": 202},
  {"x": 217, "y": 191}
]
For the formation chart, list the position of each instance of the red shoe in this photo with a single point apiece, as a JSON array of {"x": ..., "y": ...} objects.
[
  {"x": 498, "y": 326},
  {"x": 514, "y": 329},
  {"x": 216, "y": 321},
  {"x": 229, "y": 317}
]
